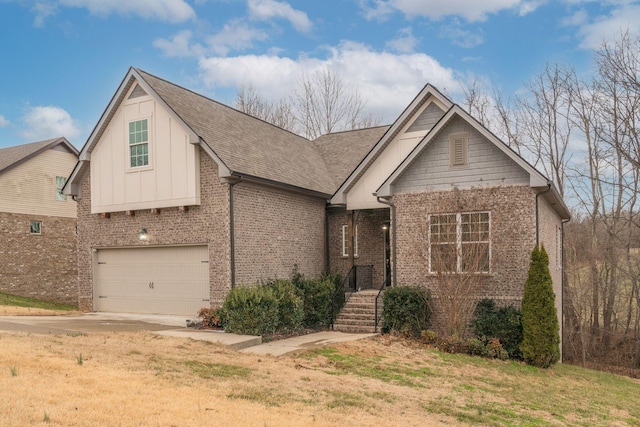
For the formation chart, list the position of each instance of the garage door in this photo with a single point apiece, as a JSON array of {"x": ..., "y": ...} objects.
[{"x": 163, "y": 280}]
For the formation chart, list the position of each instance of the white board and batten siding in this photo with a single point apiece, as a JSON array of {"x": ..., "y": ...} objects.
[
  {"x": 30, "y": 187},
  {"x": 486, "y": 165},
  {"x": 172, "y": 177},
  {"x": 360, "y": 196},
  {"x": 152, "y": 280}
]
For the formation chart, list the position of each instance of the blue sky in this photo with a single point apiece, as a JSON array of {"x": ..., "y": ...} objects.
[{"x": 62, "y": 60}]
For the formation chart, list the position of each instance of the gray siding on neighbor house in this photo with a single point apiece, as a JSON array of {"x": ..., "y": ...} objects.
[
  {"x": 487, "y": 165},
  {"x": 427, "y": 118}
]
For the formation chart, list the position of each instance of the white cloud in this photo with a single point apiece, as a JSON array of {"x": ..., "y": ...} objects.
[
  {"x": 179, "y": 46},
  {"x": 460, "y": 37},
  {"x": 405, "y": 42},
  {"x": 42, "y": 11},
  {"x": 3, "y": 121},
  {"x": 235, "y": 35},
  {"x": 387, "y": 81},
  {"x": 164, "y": 10},
  {"x": 44, "y": 122},
  {"x": 594, "y": 31},
  {"x": 268, "y": 9},
  {"x": 470, "y": 10}
]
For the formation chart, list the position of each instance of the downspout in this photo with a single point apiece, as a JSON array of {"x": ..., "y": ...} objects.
[
  {"x": 232, "y": 237},
  {"x": 562, "y": 223},
  {"x": 538, "y": 213},
  {"x": 393, "y": 237}
]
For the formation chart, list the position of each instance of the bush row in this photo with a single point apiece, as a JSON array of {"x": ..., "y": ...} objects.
[{"x": 275, "y": 306}]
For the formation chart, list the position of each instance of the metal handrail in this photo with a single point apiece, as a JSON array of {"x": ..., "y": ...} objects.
[
  {"x": 339, "y": 289},
  {"x": 382, "y": 288}
]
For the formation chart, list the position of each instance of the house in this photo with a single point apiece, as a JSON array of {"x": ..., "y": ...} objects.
[
  {"x": 38, "y": 222},
  {"x": 181, "y": 198}
]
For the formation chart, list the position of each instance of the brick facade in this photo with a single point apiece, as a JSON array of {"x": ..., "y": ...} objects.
[
  {"x": 512, "y": 210},
  {"x": 371, "y": 242},
  {"x": 275, "y": 231},
  {"x": 39, "y": 266},
  {"x": 205, "y": 224}
]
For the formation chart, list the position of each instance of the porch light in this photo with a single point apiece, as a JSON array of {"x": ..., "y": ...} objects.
[
  {"x": 385, "y": 227},
  {"x": 143, "y": 235}
]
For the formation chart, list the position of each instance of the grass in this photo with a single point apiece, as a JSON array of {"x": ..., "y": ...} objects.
[
  {"x": 155, "y": 380},
  {"x": 19, "y": 301}
]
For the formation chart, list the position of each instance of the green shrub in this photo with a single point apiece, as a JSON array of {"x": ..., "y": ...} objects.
[
  {"x": 477, "y": 347},
  {"x": 452, "y": 344},
  {"x": 290, "y": 305},
  {"x": 429, "y": 337},
  {"x": 406, "y": 311},
  {"x": 540, "y": 330},
  {"x": 495, "y": 349},
  {"x": 317, "y": 296},
  {"x": 504, "y": 323},
  {"x": 251, "y": 311}
]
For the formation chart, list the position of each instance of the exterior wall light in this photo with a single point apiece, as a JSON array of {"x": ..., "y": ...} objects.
[{"x": 143, "y": 235}]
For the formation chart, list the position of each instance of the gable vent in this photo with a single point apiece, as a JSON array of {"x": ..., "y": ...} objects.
[
  {"x": 137, "y": 92},
  {"x": 458, "y": 149}
]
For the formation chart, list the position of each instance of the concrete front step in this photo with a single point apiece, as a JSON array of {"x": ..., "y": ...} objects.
[
  {"x": 358, "y": 314},
  {"x": 354, "y": 328}
]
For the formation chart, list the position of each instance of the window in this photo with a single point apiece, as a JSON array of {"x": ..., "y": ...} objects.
[
  {"x": 458, "y": 149},
  {"x": 459, "y": 243},
  {"x": 35, "y": 227},
  {"x": 345, "y": 241},
  {"x": 60, "y": 182},
  {"x": 139, "y": 143}
]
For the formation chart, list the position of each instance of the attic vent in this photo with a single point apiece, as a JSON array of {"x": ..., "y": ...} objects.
[
  {"x": 137, "y": 92},
  {"x": 458, "y": 150}
]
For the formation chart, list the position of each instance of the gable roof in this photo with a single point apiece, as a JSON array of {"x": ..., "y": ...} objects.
[
  {"x": 343, "y": 151},
  {"x": 536, "y": 179},
  {"x": 11, "y": 157},
  {"x": 242, "y": 145},
  {"x": 427, "y": 92}
]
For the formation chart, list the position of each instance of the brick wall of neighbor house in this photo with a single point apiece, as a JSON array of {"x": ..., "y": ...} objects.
[
  {"x": 39, "y": 266},
  {"x": 204, "y": 224},
  {"x": 275, "y": 230},
  {"x": 370, "y": 241},
  {"x": 512, "y": 236}
]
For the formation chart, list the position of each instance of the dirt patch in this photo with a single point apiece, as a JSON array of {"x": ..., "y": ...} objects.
[{"x": 10, "y": 310}]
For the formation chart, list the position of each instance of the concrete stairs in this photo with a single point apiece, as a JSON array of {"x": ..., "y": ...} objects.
[{"x": 359, "y": 313}]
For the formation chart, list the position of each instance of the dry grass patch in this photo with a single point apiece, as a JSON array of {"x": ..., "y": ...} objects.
[{"x": 134, "y": 379}]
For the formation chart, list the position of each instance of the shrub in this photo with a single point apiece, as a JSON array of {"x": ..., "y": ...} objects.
[
  {"x": 406, "y": 311},
  {"x": 540, "y": 331},
  {"x": 495, "y": 350},
  {"x": 504, "y": 323},
  {"x": 429, "y": 336},
  {"x": 211, "y": 317},
  {"x": 290, "y": 306},
  {"x": 317, "y": 297},
  {"x": 452, "y": 344},
  {"x": 251, "y": 311},
  {"x": 477, "y": 347}
]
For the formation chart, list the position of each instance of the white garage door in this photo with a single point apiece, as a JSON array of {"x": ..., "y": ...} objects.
[{"x": 166, "y": 280}]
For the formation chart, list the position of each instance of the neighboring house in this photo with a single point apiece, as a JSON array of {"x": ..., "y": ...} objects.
[
  {"x": 37, "y": 222},
  {"x": 181, "y": 198}
]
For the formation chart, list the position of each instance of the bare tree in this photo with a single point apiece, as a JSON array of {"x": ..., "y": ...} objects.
[{"x": 322, "y": 103}]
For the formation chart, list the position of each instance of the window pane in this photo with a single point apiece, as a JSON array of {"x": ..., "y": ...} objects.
[
  {"x": 475, "y": 257},
  {"x": 443, "y": 258},
  {"x": 132, "y": 127}
]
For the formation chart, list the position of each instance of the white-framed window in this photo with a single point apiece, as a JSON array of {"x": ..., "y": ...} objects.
[
  {"x": 139, "y": 143},
  {"x": 60, "y": 182},
  {"x": 345, "y": 241},
  {"x": 460, "y": 242},
  {"x": 459, "y": 149},
  {"x": 35, "y": 227}
]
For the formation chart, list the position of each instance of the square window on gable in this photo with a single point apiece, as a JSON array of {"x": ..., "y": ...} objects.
[
  {"x": 60, "y": 182},
  {"x": 139, "y": 143}
]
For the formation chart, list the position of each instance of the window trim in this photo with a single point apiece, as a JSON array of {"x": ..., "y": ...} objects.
[
  {"x": 459, "y": 242},
  {"x": 345, "y": 243},
  {"x": 149, "y": 143},
  {"x": 31, "y": 227}
]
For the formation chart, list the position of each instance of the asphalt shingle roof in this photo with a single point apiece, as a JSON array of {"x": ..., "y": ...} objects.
[
  {"x": 12, "y": 155},
  {"x": 245, "y": 144}
]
